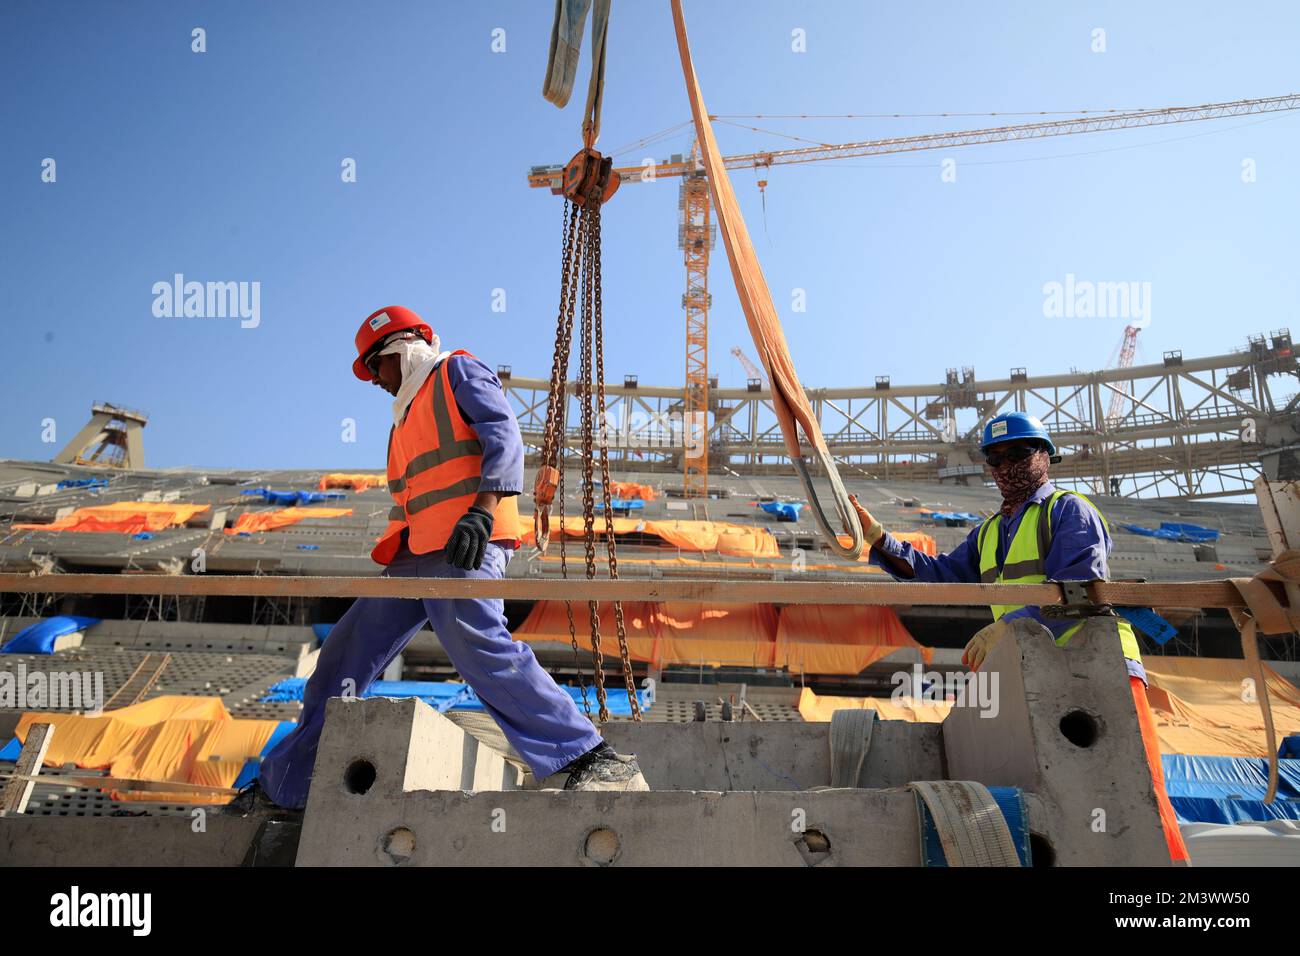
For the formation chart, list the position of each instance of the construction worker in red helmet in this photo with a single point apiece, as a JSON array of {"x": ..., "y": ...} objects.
[{"x": 455, "y": 469}]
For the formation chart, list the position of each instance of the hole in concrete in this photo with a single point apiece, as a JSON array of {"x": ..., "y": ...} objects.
[
  {"x": 816, "y": 841},
  {"x": 1040, "y": 850},
  {"x": 814, "y": 846},
  {"x": 397, "y": 845},
  {"x": 1080, "y": 728},
  {"x": 602, "y": 846},
  {"x": 360, "y": 776}
]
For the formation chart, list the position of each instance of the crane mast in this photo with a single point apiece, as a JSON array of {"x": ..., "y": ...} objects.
[{"x": 696, "y": 230}]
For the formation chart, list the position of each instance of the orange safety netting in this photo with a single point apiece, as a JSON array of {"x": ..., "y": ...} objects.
[
  {"x": 130, "y": 517},
  {"x": 739, "y": 540},
  {"x": 735, "y": 635},
  {"x": 630, "y": 489},
  {"x": 839, "y": 638},
  {"x": 252, "y": 521},
  {"x": 358, "y": 482},
  {"x": 174, "y": 739},
  {"x": 1208, "y": 706}
]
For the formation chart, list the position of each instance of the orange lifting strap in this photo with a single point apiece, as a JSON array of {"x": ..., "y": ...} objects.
[{"x": 788, "y": 399}]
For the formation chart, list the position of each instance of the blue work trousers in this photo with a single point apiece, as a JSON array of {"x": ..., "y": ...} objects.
[{"x": 539, "y": 719}]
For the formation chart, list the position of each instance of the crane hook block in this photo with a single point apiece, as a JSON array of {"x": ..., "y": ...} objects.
[
  {"x": 548, "y": 479},
  {"x": 588, "y": 177}
]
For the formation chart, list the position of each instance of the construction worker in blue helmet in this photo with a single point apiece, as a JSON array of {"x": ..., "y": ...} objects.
[{"x": 1039, "y": 533}]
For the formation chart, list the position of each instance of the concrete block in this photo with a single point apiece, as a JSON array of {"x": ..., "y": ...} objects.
[
  {"x": 656, "y": 828},
  {"x": 775, "y": 756},
  {"x": 1066, "y": 730},
  {"x": 146, "y": 841},
  {"x": 374, "y": 751}
]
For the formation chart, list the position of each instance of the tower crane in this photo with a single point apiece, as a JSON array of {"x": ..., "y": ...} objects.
[
  {"x": 1127, "y": 349},
  {"x": 696, "y": 230},
  {"x": 754, "y": 373}
]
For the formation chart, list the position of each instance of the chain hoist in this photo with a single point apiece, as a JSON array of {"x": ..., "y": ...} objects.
[{"x": 586, "y": 184}]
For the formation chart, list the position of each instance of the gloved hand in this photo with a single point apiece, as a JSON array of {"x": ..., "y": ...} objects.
[
  {"x": 469, "y": 539},
  {"x": 978, "y": 647},
  {"x": 872, "y": 532}
]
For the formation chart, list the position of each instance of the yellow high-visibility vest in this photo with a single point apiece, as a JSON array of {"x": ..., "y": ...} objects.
[{"x": 1026, "y": 562}]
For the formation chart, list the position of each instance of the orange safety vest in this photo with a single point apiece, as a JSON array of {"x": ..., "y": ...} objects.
[{"x": 434, "y": 465}]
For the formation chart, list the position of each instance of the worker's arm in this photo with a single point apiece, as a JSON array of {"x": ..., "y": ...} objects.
[
  {"x": 905, "y": 563},
  {"x": 1078, "y": 552},
  {"x": 483, "y": 404}
]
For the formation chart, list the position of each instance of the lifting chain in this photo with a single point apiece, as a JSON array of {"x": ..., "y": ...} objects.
[{"x": 586, "y": 184}]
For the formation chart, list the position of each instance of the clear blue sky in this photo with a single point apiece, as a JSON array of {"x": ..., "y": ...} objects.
[{"x": 225, "y": 166}]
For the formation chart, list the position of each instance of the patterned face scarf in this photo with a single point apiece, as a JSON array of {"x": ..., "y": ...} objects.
[{"x": 1017, "y": 480}]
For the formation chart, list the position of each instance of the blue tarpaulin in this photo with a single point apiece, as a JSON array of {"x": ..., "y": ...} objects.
[
  {"x": 957, "y": 518},
  {"x": 447, "y": 695},
  {"x": 621, "y": 504},
  {"x": 249, "y": 772},
  {"x": 1290, "y": 747},
  {"x": 784, "y": 510},
  {"x": 1230, "y": 789},
  {"x": 83, "y": 483},
  {"x": 39, "y": 638},
  {"x": 321, "y": 631},
  {"x": 294, "y": 498},
  {"x": 1149, "y": 623},
  {"x": 1173, "y": 531}
]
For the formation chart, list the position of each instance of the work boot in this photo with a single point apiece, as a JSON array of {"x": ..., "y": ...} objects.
[
  {"x": 252, "y": 801},
  {"x": 605, "y": 769}
]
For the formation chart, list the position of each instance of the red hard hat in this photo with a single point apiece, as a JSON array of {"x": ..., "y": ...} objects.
[{"x": 380, "y": 325}]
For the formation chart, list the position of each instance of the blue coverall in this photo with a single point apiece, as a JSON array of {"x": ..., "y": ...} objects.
[
  {"x": 1079, "y": 551},
  {"x": 539, "y": 719}
]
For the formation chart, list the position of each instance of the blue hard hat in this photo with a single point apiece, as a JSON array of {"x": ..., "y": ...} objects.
[{"x": 1011, "y": 425}]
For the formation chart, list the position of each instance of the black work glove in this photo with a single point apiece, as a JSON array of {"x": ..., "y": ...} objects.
[{"x": 468, "y": 541}]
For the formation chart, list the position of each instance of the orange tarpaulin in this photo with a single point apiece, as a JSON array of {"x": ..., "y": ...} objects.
[
  {"x": 630, "y": 489},
  {"x": 735, "y": 635},
  {"x": 1200, "y": 706},
  {"x": 1209, "y": 706},
  {"x": 839, "y": 638},
  {"x": 716, "y": 635},
  {"x": 129, "y": 517},
  {"x": 358, "y": 482},
  {"x": 547, "y": 621},
  {"x": 174, "y": 739},
  {"x": 818, "y": 709},
  {"x": 252, "y": 521},
  {"x": 917, "y": 539},
  {"x": 722, "y": 536}
]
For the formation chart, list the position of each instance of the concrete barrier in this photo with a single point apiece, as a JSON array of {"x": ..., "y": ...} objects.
[{"x": 396, "y": 783}]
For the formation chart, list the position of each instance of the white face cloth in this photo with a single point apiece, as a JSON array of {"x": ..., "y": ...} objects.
[{"x": 419, "y": 359}]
